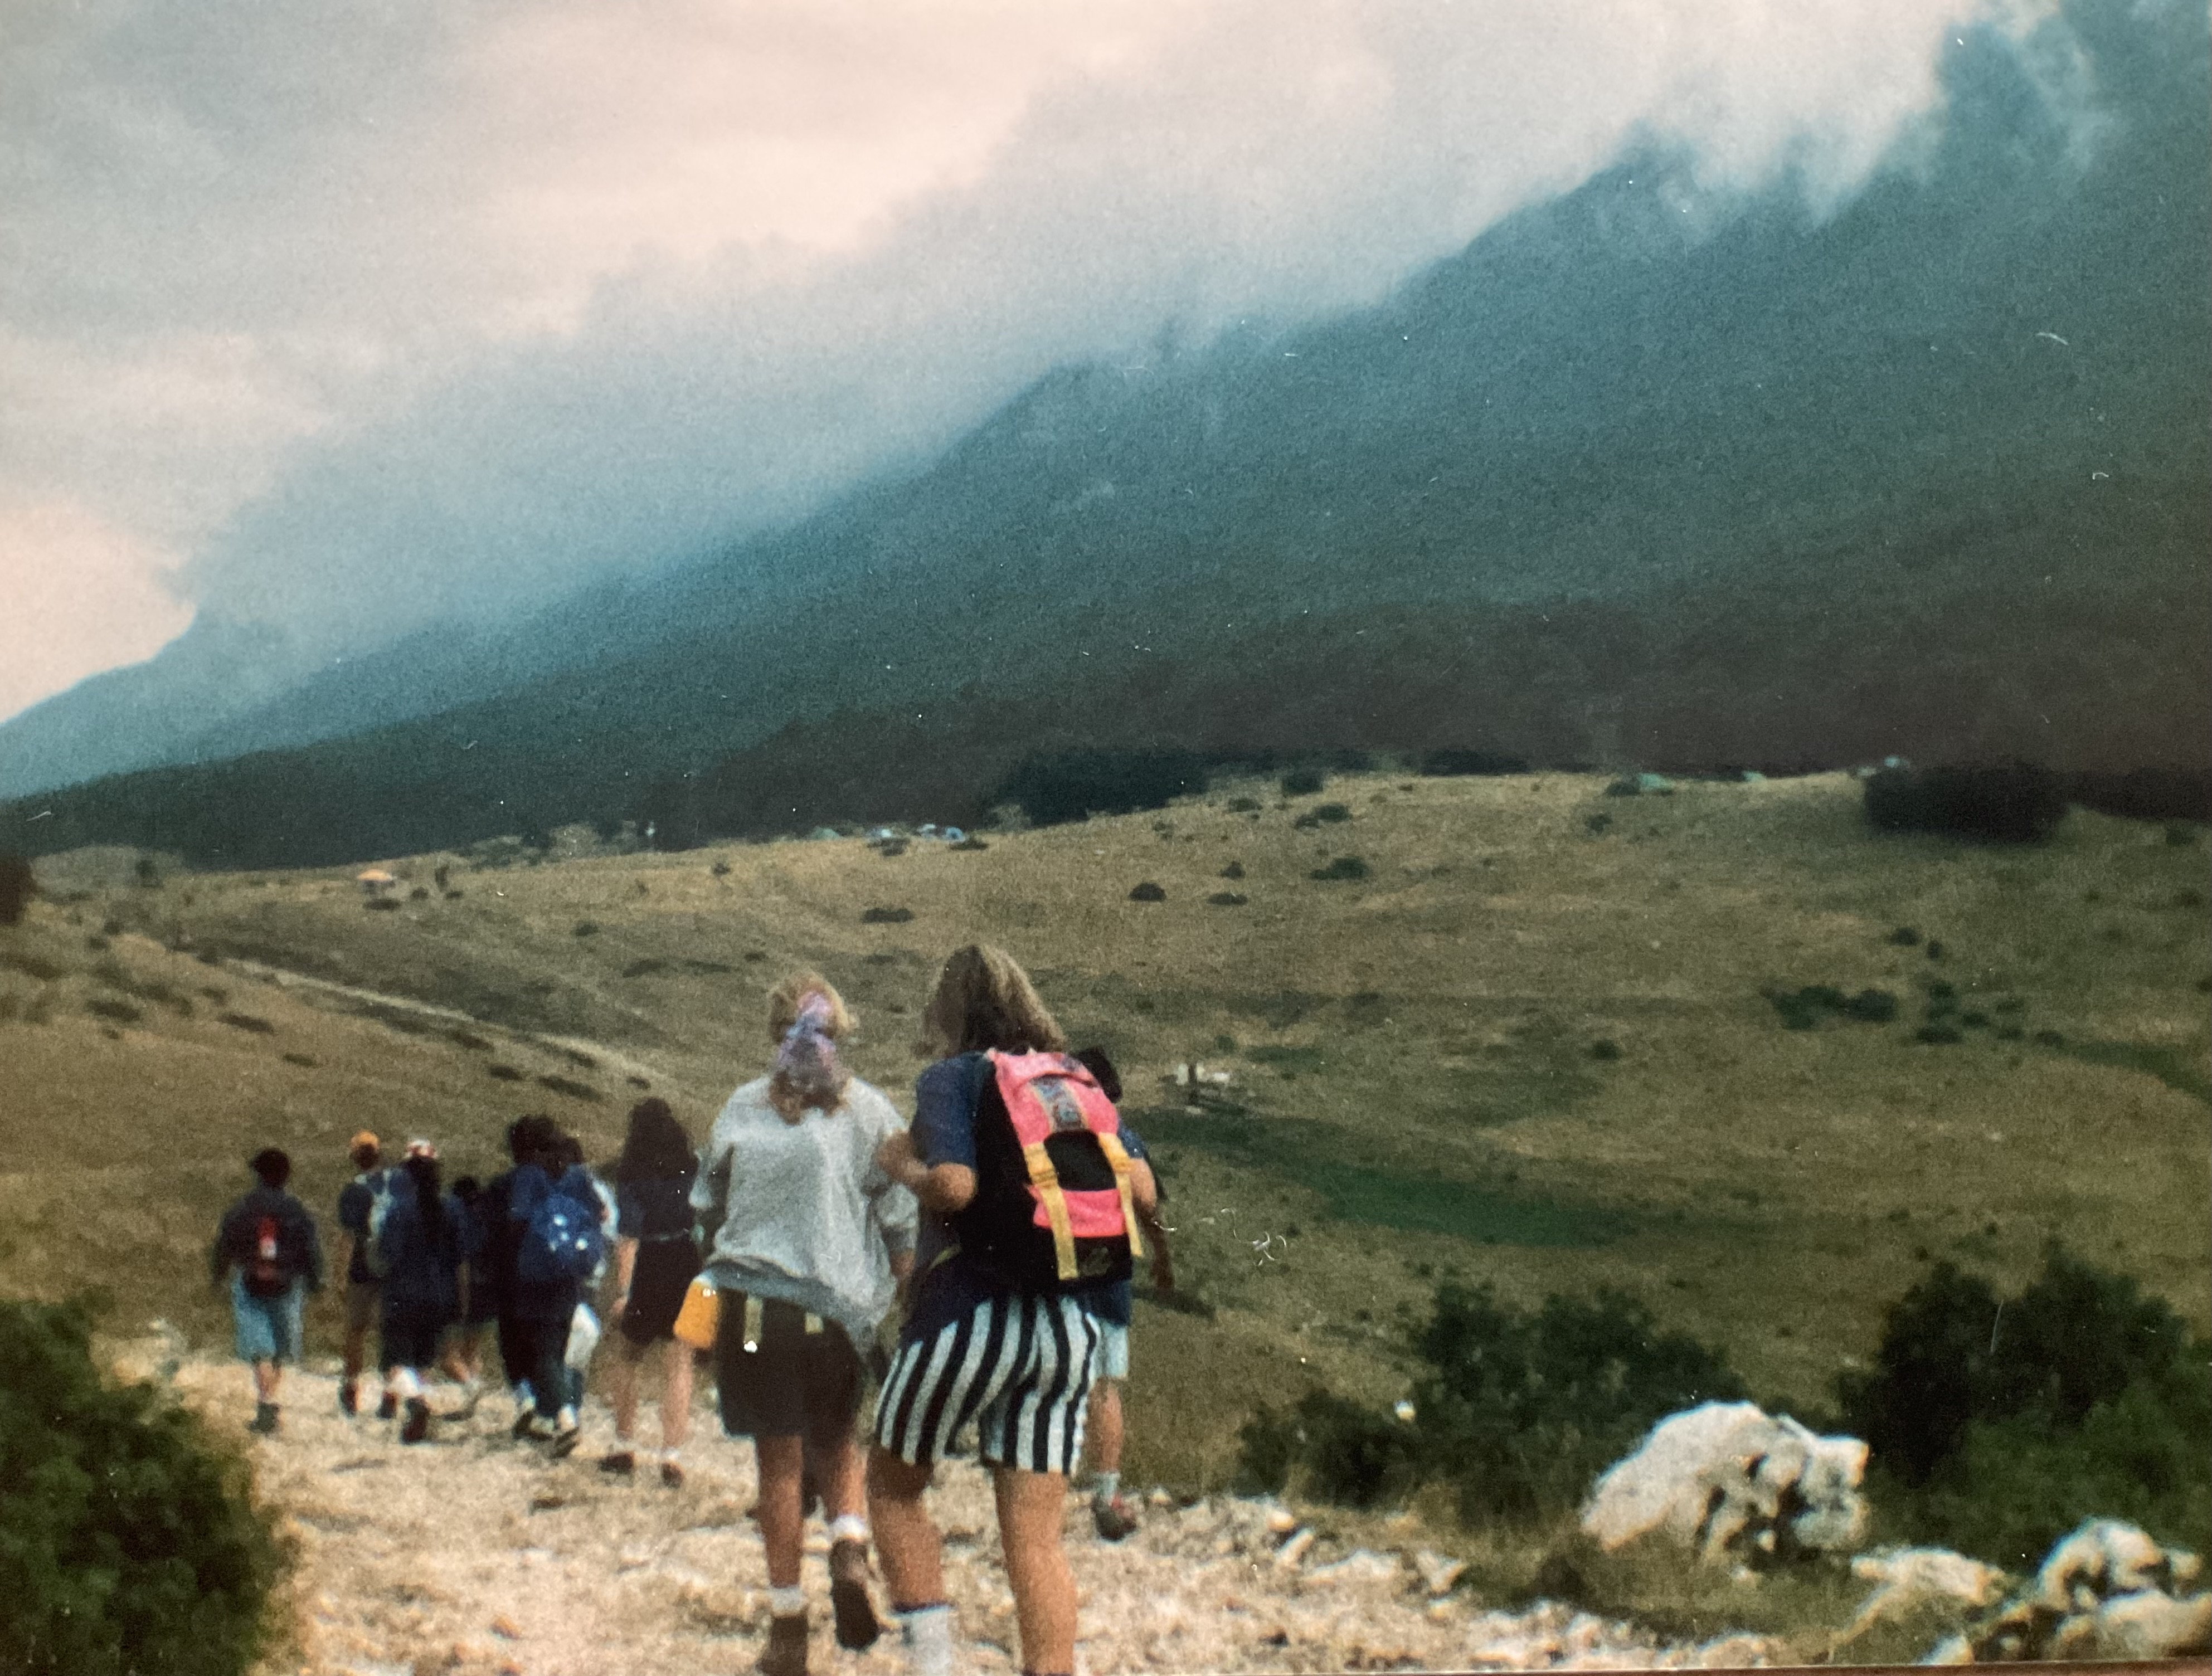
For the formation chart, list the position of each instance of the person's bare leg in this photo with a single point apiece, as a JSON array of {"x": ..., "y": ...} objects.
[
  {"x": 623, "y": 1378},
  {"x": 675, "y": 1394},
  {"x": 907, "y": 1541},
  {"x": 356, "y": 1354},
  {"x": 844, "y": 1480},
  {"x": 267, "y": 1375},
  {"x": 1030, "y": 1508},
  {"x": 782, "y": 1524},
  {"x": 1104, "y": 1427}
]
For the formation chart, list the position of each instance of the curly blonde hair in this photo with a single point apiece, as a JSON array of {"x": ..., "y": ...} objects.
[
  {"x": 784, "y": 1002},
  {"x": 983, "y": 1000}
]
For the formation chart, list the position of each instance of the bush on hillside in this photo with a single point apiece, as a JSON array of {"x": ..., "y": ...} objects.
[
  {"x": 1443, "y": 762},
  {"x": 1518, "y": 1411},
  {"x": 2001, "y": 1423},
  {"x": 17, "y": 889},
  {"x": 1303, "y": 782},
  {"x": 2016, "y": 803},
  {"x": 130, "y": 1543},
  {"x": 1072, "y": 784}
]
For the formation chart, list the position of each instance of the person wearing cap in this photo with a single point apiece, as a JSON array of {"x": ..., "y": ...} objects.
[
  {"x": 356, "y": 1202},
  {"x": 423, "y": 1242}
]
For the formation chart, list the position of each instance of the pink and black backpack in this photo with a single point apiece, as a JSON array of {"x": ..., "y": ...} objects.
[{"x": 1053, "y": 1205}]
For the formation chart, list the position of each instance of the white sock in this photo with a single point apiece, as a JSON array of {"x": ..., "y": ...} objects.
[
  {"x": 786, "y": 1602},
  {"x": 928, "y": 1633},
  {"x": 524, "y": 1397},
  {"x": 404, "y": 1385},
  {"x": 565, "y": 1421},
  {"x": 1103, "y": 1484},
  {"x": 848, "y": 1527}
]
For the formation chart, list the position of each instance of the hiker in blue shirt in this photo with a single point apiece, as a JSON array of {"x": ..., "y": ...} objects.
[
  {"x": 424, "y": 1243},
  {"x": 491, "y": 1274},
  {"x": 543, "y": 1298},
  {"x": 1016, "y": 1358},
  {"x": 268, "y": 1247},
  {"x": 356, "y": 1202}
]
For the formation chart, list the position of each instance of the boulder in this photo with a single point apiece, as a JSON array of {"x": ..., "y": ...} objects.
[
  {"x": 1730, "y": 1479},
  {"x": 2106, "y": 1590}
]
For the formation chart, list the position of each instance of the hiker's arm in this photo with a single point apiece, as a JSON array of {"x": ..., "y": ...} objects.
[
  {"x": 1144, "y": 1188},
  {"x": 943, "y": 1189},
  {"x": 1156, "y": 1236},
  {"x": 625, "y": 1270}
]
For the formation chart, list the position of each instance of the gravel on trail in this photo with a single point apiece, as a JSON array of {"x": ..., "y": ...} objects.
[{"x": 472, "y": 1554}]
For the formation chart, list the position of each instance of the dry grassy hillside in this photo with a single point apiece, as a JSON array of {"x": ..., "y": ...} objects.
[{"x": 1530, "y": 1045}]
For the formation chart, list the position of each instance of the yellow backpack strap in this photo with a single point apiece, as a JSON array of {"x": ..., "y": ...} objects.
[
  {"x": 1118, "y": 1156},
  {"x": 1046, "y": 1180},
  {"x": 753, "y": 1323}
]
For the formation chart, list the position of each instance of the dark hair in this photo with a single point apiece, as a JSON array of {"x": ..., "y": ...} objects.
[
  {"x": 529, "y": 1135},
  {"x": 468, "y": 1190},
  {"x": 430, "y": 1196},
  {"x": 1094, "y": 1061},
  {"x": 656, "y": 1147},
  {"x": 563, "y": 1152},
  {"x": 273, "y": 1165}
]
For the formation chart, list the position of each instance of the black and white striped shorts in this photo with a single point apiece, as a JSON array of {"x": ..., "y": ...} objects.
[{"x": 1019, "y": 1367}]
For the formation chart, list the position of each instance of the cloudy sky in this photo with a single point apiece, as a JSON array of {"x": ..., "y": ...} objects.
[{"x": 339, "y": 319}]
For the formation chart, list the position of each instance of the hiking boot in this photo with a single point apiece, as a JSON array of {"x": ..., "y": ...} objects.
[
  {"x": 671, "y": 1475},
  {"x": 565, "y": 1439},
  {"x": 855, "y": 1614},
  {"x": 525, "y": 1423},
  {"x": 264, "y": 1418},
  {"x": 621, "y": 1463},
  {"x": 389, "y": 1408},
  {"x": 416, "y": 1426},
  {"x": 786, "y": 1654},
  {"x": 1113, "y": 1517},
  {"x": 349, "y": 1398}
]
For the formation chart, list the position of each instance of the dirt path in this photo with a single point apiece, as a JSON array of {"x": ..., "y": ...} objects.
[
  {"x": 283, "y": 978},
  {"x": 475, "y": 1554}
]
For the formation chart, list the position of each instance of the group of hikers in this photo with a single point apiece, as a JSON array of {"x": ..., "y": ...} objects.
[{"x": 1004, "y": 1223}]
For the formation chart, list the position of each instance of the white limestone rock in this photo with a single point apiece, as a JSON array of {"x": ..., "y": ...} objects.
[{"x": 1728, "y": 1477}]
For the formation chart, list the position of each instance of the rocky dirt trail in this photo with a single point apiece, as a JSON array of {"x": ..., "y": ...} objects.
[{"x": 473, "y": 1553}]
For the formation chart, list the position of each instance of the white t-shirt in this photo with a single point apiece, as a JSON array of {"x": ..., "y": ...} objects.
[{"x": 804, "y": 1214}]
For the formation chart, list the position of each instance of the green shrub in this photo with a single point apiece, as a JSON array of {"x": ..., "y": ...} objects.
[
  {"x": 1344, "y": 867},
  {"x": 1520, "y": 1412},
  {"x": 129, "y": 1541},
  {"x": 17, "y": 888},
  {"x": 1303, "y": 782},
  {"x": 1999, "y": 1424},
  {"x": 1517, "y": 1411}
]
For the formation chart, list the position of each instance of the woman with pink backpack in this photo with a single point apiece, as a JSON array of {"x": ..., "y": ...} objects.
[{"x": 1032, "y": 1194}]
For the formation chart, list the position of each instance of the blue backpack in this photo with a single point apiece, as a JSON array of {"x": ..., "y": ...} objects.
[{"x": 562, "y": 1241}]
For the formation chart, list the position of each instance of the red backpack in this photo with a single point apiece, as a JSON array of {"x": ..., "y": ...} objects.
[
  {"x": 1053, "y": 1206},
  {"x": 266, "y": 1272}
]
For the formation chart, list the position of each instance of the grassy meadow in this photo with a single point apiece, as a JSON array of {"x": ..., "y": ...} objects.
[{"x": 1528, "y": 1038}]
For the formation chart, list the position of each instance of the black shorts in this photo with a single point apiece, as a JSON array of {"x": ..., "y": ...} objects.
[
  {"x": 793, "y": 1382},
  {"x": 410, "y": 1341},
  {"x": 657, "y": 1285}
]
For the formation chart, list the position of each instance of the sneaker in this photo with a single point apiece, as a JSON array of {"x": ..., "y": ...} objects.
[
  {"x": 671, "y": 1475},
  {"x": 565, "y": 1439},
  {"x": 621, "y": 1462},
  {"x": 349, "y": 1398},
  {"x": 1113, "y": 1517},
  {"x": 264, "y": 1418},
  {"x": 786, "y": 1654},
  {"x": 389, "y": 1408},
  {"x": 855, "y": 1614},
  {"x": 416, "y": 1426}
]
